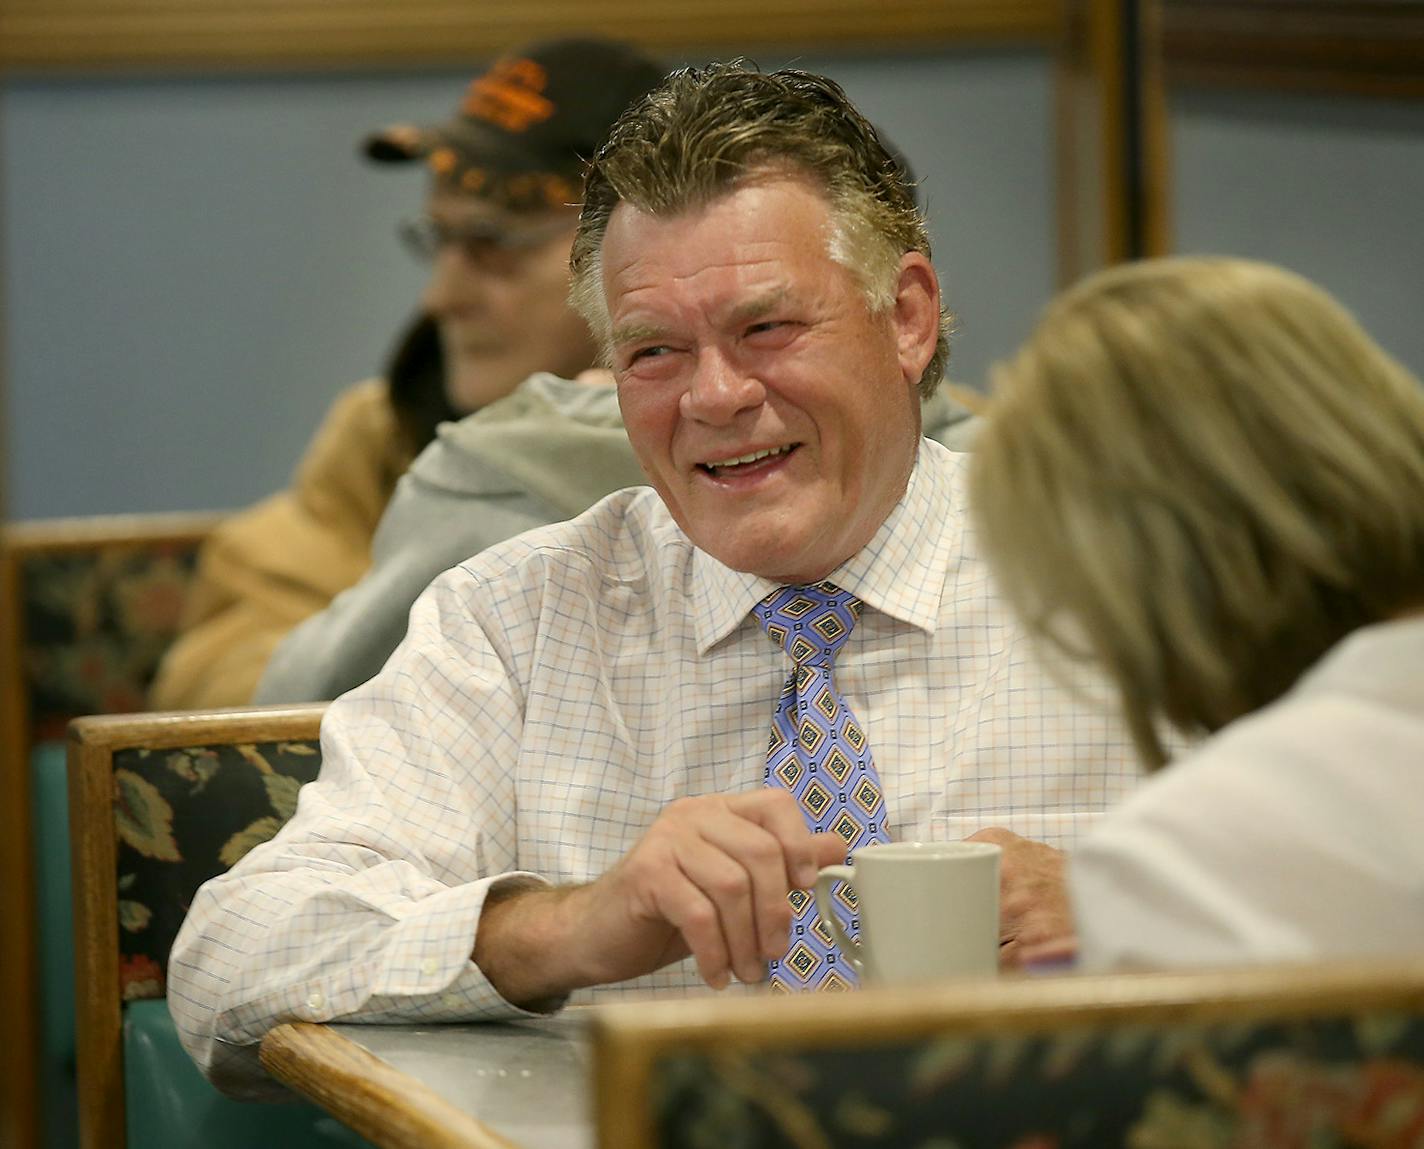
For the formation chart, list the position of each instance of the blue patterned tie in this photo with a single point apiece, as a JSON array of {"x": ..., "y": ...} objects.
[{"x": 818, "y": 752}]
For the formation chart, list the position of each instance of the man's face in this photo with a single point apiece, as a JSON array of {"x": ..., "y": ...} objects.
[
  {"x": 775, "y": 415},
  {"x": 502, "y": 306}
]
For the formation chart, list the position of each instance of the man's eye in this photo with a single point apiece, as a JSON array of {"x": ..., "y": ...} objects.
[
  {"x": 781, "y": 328},
  {"x": 647, "y": 353}
]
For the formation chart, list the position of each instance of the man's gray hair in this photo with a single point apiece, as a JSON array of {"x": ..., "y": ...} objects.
[{"x": 706, "y": 131}]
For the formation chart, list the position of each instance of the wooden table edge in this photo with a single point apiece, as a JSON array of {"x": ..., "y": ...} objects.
[{"x": 378, "y": 1101}]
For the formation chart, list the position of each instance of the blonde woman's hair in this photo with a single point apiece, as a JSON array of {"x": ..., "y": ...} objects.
[{"x": 1201, "y": 474}]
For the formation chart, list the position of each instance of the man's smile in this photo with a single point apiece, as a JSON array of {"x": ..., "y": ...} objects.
[{"x": 745, "y": 464}]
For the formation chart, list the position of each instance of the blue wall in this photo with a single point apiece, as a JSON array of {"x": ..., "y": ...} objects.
[
  {"x": 1329, "y": 187},
  {"x": 195, "y": 267}
]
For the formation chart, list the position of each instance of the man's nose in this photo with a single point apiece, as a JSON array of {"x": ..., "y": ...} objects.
[
  {"x": 721, "y": 389},
  {"x": 454, "y": 284}
]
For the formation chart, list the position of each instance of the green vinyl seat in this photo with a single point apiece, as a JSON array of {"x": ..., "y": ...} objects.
[
  {"x": 54, "y": 944},
  {"x": 168, "y": 1104}
]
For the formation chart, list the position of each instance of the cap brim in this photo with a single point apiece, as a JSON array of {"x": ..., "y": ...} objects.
[
  {"x": 472, "y": 142},
  {"x": 398, "y": 144}
]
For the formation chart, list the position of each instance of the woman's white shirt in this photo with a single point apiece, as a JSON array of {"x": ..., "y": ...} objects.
[{"x": 1295, "y": 833}]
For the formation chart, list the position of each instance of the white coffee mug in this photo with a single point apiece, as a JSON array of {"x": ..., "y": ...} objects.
[{"x": 927, "y": 910}]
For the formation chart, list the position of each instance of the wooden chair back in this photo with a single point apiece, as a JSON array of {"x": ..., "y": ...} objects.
[
  {"x": 87, "y": 607},
  {"x": 158, "y": 804},
  {"x": 1270, "y": 1056}
]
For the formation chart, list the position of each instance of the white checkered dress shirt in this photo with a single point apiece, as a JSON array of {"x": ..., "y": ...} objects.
[{"x": 553, "y": 694}]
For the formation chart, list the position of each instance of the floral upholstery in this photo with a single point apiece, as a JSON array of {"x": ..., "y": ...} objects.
[
  {"x": 1322, "y": 1083},
  {"x": 182, "y": 817},
  {"x": 96, "y": 622}
]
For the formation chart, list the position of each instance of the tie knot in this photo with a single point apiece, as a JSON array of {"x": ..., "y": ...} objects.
[{"x": 809, "y": 622}]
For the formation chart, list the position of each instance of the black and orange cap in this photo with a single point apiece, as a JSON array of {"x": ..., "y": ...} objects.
[{"x": 526, "y": 127}]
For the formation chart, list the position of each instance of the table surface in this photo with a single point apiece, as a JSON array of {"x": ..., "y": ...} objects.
[{"x": 520, "y": 1083}]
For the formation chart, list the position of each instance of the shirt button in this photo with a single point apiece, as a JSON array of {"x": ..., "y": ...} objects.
[
  {"x": 315, "y": 1000},
  {"x": 451, "y": 1000},
  {"x": 429, "y": 967}
]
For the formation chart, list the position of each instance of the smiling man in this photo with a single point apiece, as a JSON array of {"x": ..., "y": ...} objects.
[{"x": 611, "y": 754}]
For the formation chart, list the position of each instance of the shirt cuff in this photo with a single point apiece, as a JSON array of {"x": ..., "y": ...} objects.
[{"x": 426, "y": 973}]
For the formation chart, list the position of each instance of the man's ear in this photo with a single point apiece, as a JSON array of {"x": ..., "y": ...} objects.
[{"x": 916, "y": 314}]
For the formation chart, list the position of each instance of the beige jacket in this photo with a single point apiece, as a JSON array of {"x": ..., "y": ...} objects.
[{"x": 267, "y": 568}]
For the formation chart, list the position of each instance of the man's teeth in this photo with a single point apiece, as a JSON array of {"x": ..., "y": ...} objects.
[{"x": 754, "y": 457}]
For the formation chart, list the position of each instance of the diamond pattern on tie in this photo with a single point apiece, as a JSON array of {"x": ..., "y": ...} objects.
[{"x": 818, "y": 752}]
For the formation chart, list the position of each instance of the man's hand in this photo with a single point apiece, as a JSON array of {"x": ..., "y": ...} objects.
[
  {"x": 709, "y": 878},
  {"x": 1035, "y": 920}
]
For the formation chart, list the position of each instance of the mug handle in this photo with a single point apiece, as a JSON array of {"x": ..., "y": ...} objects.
[{"x": 849, "y": 946}]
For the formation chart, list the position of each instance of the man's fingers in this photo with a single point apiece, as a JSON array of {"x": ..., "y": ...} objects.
[
  {"x": 1058, "y": 953},
  {"x": 776, "y": 812},
  {"x": 767, "y": 836},
  {"x": 827, "y": 849},
  {"x": 683, "y": 904},
  {"x": 998, "y": 835},
  {"x": 1033, "y": 897},
  {"x": 764, "y": 869},
  {"x": 745, "y": 880},
  {"x": 717, "y": 870}
]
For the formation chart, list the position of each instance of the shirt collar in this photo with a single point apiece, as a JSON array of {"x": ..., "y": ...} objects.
[{"x": 901, "y": 572}]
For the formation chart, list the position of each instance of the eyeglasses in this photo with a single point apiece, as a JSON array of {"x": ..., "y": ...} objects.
[{"x": 489, "y": 244}]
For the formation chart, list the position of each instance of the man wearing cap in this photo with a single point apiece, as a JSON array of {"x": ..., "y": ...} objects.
[
  {"x": 611, "y": 754},
  {"x": 500, "y": 217}
]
